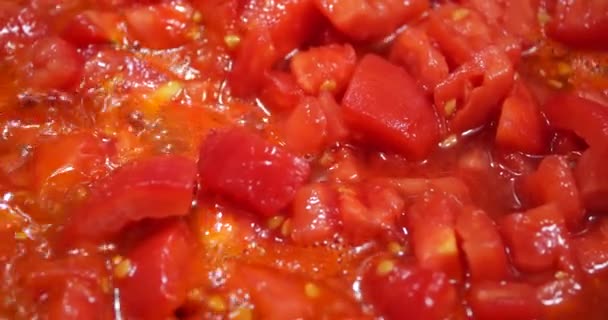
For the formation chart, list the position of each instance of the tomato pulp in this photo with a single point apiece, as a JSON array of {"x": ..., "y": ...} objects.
[{"x": 304, "y": 159}]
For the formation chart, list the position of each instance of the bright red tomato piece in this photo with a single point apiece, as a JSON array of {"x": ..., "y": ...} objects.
[
  {"x": 159, "y": 273},
  {"x": 326, "y": 68},
  {"x": 280, "y": 91},
  {"x": 315, "y": 214},
  {"x": 587, "y": 118},
  {"x": 368, "y": 20},
  {"x": 482, "y": 245},
  {"x": 254, "y": 58},
  {"x": 554, "y": 182},
  {"x": 581, "y": 23},
  {"x": 386, "y": 105},
  {"x": 429, "y": 295},
  {"x": 336, "y": 127},
  {"x": 256, "y": 174},
  {"x": 305, "y": 129},
  {"x": 591, "y": 175},
  {"x": 92, "y": 27},
  {"x": 504, "y": 301},
  {"x": 592, "y": 248},
  {"x": 157, "y": 187},
  {"x": 77, "y": 299},
  {"x": 55, "y": 64}
]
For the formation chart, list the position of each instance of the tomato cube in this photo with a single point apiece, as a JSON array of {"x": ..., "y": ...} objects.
[
  {"x": 504, "y": 301},
  {"x": 315, "y": 214},
  {"x": 591, "y": 175}
]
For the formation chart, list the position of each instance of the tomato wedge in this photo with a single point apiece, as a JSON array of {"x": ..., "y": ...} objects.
[{"x": 591, "y": 175}]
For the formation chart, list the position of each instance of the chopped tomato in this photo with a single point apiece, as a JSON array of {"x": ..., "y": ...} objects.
[
  {"x": 592, "y": 248},
  {"x": 158, "y": 187},
  {"x": 482, "y": 245},
  {"x": 592, "y": 179},
  {"x": 306, "y": 128},
  {"x": 504, "y": 301},
  {"x": 55, "y": 64},
  {"x": 385, "y": 282},
  {"x": 256, "y": 174},
  {"x": 368, "y": 20},
  {"x": 255, "y": 56},
  {"x": 580, "y": 23},
  {"x": 153, "y": 278},
  {"x": 280, "y": 91},
  {"x": 415, "y": 51},
  {"x": 315, "y": 214},
  {"x": 336, "y": 128},
  {"x": 326, "y": 68},
  {"x": 77, "y": 299},
  {"x": 538, "y": 239},
  {"x": 92, "y": 27},
  {"x": 385, "y": 104},
  {"x": 554, "y": 182},
  {"x": 587, "y": 118}
]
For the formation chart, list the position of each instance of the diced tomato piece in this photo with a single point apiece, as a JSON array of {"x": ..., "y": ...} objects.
[
  {"x": 565, "y": 142},
  {"x": 482, "y": 245},
  {"x": 414, "y": 50},
  {"x": 537, "y": 238},
  {"x": 554, "y": 182},
  {"x": 592, "y": 248},
  {"x": 521, "y": 126},
  {"x": 158, "y": 273},
  {"x": 416, "y": 187},
  {"x": 591, "y": 175},
  {"x": 368, "y": 209},
  {"x": 161, "y": 26},
  {"x": 254, "y": 58},
  {"x": 368, "y": 20},
  {"x": 315, "y": 214},
  {"x": 244, "y": 167},
  {"x": 471, "y": 95},
  {"x": 55, "y": 64},
  {"x": 336, "y": 128},
  {"x": 587, "y": 118},
  {"x": 78, "y": 299},
  {"x": 280, "y": 91},
  {"x": 504, "y": 301},
  {"x": 580, "y": 23},
  {"x": 306, "y": 128},
  {"x": 92, "y": 27},
  {"x": 574, "y": 298},
  {"x": 157, "y": 187},
  {"x": 387, "y": 106},
  {"x": 300, "y": 298},
  {"x": 399, "y": 290},
  {"x": 326, "y": 68},
  {"x": 46, "y": 274},
  {"x": 431, "y": 226}
]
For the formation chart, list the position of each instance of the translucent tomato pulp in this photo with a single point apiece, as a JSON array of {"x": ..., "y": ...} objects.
[{"x": 304, "y": 159}]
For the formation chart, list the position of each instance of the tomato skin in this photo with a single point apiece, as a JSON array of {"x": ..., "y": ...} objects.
[
  {"x": 256, "y": 174},
  {"x": 554, "y": 182},
  {"x": 158, "y": 280},
  {"x": 414, "y": 50},
  {"x": 306, "y": 128},
  {"x": 368, "y": 20},
  {"x": 388, "y": 107},
  {"x": 315, "y": 214},
  {"x": 587, "y": 118},
  {"x": 154, "y": 188},
  {"x": 537, "y": 238},
  {"x": 521, "y": 126},
  {"x": 429, "y": 294},
  {"x": 316, "y": 67},
  {"x": 55, "y": 64},
  {"x": 592, "y": 179},
  {"x": 280, "y": 91},
  {"x": 482, "y": 245},
  {"x": 504, "y": 301},
  {"x": 580, "y": 23}
]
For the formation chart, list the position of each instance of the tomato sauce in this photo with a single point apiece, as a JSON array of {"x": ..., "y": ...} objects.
[{"x": 303, "y": 159}]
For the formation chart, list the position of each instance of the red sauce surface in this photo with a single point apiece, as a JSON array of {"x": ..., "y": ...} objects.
[{"x": 303, "y": 159}]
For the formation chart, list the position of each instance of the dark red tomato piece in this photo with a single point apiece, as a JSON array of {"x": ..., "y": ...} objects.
[
  {"x": 431, "y": 225},
  {"x": 306, "y": 128},
  {"x": 55, "y": 64},
  {"x": 580, "y": 23},
  {"x": 368, "y": 20},
  {"x": 537, "y": 238},
  {"x": 504, "y": 301},
  {"x": 591, "y": 175},
  {"x": 280, "y": 91},
  {"x": 400, "y": 290},
  {"x": 521, "y": 126},
  {"x": 336, "y": 128},
  {"x": 368, "y": 209},
  {"x": 471, "y": 95},
  {"x": 254, "y": 58},
  {"x": 92, "y": 27},
  {"x": 565, "y": 142},
  {"x": 77, "y": 299},
  {"x": 554, "y": 182},
  {"x": 299, "y": 298},
  {"x": 413, "y": 49},
  {"x": 587, "y": 118},
  {"x": 158, "y": 273},
  {"x": 253, "y": 172},
  {"x": 482, "y": 245},
  {"x": 326, "y": 68},
  {"x": 386, "y": 105},
  {"x": 315, "y": 214},
  {"x": 591, "y": 248},
  {"x": 161, "y": 26},
  {"x": 157, "y": 187}
]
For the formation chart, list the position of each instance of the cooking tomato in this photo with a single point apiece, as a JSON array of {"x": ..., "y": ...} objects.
[
  {"x": 505, "y": 301},
  {"x": 581, "y": 23},
  {"x": 591, "y": 179}
]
